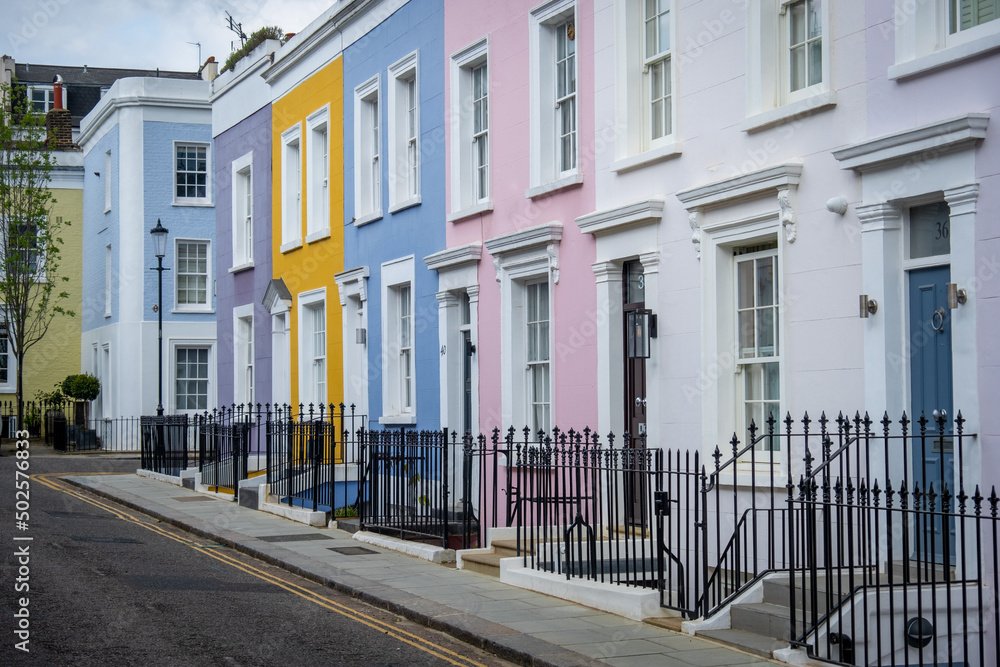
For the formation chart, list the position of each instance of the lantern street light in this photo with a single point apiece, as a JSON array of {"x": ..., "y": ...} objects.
[{"x": 160, "y": 248}]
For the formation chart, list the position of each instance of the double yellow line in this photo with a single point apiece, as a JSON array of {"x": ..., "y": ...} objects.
[{"x": 52, "y": 481}]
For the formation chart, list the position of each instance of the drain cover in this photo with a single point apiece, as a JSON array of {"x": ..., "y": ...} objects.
[
  {"x": 352, "y": 551},
  {"x": 106, "y": 540},
  {"x": 306, "y": 537}
]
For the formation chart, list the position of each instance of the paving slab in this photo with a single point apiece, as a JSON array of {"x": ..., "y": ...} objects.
[{"x": 518, "y": 625}]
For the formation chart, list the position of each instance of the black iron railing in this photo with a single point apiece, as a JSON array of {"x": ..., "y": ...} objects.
[
  {"x": 407, "y": 479},
  {"x": 69, "y": 426},
  {"x": 164, "y": 447},
  {"x": 312, "y": 456}
]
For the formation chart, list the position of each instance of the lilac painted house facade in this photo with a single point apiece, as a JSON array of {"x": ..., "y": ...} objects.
[{"x": 241, "y": 127}]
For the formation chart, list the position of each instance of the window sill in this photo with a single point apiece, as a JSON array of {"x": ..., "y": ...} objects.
[
  {"x": 944, "y": 57},
  {"x": 318, "y": 236},
  {"x": 368, "y": 218},
  {"x": 241, "y": 267},
  {"x": 484, "y": 207},
  {"x": 652, "y": 156},
  {"x": 563, "y": 183},
  {"x": 198, "y": 203},
  {"x": 192, "y": 311},
  {"x": 291, "y": 245},
  {"x": 412, "y": 201},
  {"x": 789, "y": 112},
  {"x": 398, "y": 419}
]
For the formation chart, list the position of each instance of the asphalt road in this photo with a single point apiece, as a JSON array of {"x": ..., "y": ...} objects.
[{"x": 109, "y": 586}]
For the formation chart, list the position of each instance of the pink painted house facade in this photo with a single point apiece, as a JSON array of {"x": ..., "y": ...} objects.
[{"x": 516, "y": 302}]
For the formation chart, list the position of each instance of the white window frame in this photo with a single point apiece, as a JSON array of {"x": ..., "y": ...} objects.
[
  {"x": 522, "y": 298},
  {"x": 635, "y": 146},
  {"x": 404, "y": 133},
  {"x": 209, "y": 277},
  {"x": 318, "y": 181},
  {"x": 527, "y": 256},
  {"x": 466, "y": 201},
  {"x": 191, "y": 344},
  {"x": 313, "y": 390},
  {"x": 107, "y": 182},
  {"x": 50, "y": 98},
  {"x": 242, "y": 186},
  {"x": 353, "y": 289},
  {"x": 10, "y": 385},
  {"x": 193, "y": 201},
  {"x": 108, "y": 258},
  {"x": 369, "y": 155},
  {"x": 397, "y": 274},
  {"x": 291, "y": 188},
  {"x": 244, "y": 365},
  {"x": 770, "y": 100},
  {"x": 745, "y": 364},
  {"x": 545, "y": 172},
  {"x": 924, "y": 41}
]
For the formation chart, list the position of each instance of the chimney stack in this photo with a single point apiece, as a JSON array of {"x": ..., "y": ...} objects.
[
  {"x": 59, "y": 121},
  {"x": 210, "y": 70}
]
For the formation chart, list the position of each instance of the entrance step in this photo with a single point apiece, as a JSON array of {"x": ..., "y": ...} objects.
[
  {"x": 746, "y": 641},
  {"x": 761, "y": 618},
  {"x": 489, "y": 563}
]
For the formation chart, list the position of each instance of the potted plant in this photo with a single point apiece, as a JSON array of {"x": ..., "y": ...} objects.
[
  {"x": 51, "y": 403},
  {"x": 82, "y": 388}
]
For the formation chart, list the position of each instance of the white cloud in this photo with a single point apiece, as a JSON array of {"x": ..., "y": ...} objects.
[{"x": 150, "y": 34}]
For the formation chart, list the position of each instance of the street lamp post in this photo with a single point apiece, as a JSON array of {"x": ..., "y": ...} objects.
[{"x": 160, "y": 248}]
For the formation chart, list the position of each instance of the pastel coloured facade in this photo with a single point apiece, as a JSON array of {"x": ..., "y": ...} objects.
[
  {"x": 761, "y": 185},
  {"x": 515, "y": 278},
  {"x": 241, "y": 127},
  {"x": 394, "y": 211},
  {"x": 306, "y": 237},
  {"x": 147, "y": 157}
]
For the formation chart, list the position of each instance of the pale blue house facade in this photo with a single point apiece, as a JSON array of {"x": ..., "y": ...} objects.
[{"x": 148, "y": 155}]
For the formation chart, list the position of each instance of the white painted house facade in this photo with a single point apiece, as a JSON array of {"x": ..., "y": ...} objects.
[{"x": 762, "y": 165}]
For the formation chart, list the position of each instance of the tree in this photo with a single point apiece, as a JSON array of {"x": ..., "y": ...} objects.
[{"x": 30, "y": 297}]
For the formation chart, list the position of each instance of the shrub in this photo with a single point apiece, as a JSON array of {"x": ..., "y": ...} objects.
[
  {"x": 253, "y": 41},
  {"x": 82, "y": 387}
]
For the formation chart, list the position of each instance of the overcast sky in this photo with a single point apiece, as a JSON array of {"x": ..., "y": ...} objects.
[{"x": 143, "y": 34}]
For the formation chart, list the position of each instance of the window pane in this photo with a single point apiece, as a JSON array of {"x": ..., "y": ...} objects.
[
  {"x": 746, "y": 284},
  {"x": 663, "y": 29},
  {"x": 797, "y": 67},
  {"x": 930, "y": 230},
  {"x": 765, "y": 332},
  {"x": 815, "y": 62},
  {"x": 765, "y": 281},
  {"x": 771, "y": 382},
  {"x": 797, "y": 23},
  {"x": 754, "y": 381},
  {"x": 746, "y": 324}
]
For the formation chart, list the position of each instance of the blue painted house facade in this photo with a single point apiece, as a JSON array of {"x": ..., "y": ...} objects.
[
  {"x": 394, "y": 216},
  {"x": 147, "y": 157},
  {"x": 241, "y": 128}
]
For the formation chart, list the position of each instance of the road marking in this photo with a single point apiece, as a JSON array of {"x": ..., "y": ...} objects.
[{"x": 53, "y": 481}]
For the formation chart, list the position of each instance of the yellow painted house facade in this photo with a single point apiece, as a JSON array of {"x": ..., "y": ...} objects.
[
  {"x": 58, "y": 354},
  {"x": 307, "y": 231}
]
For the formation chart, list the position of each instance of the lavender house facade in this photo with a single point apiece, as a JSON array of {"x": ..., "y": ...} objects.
[{"x": 241, "y": 127}]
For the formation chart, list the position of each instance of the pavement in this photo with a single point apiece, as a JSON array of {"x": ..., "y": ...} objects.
[{"x": 516, "y": 624}]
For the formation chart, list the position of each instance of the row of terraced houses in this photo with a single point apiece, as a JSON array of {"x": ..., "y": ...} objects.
[{"x": 662, "y": 218}]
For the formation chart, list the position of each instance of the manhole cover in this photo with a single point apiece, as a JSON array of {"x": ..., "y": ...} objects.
[
  {"x": 352, "y": 551},
  {"x": 294, "y": 538},
  {"x": 106, "y": 540}
]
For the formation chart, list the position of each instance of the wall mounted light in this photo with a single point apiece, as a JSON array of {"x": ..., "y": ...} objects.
[
  {"x": 837, "y": 205},
  {"x": 866, "y": 306},
  {"x": 361, "y": 336},
  {"x": 956, "y": 295},
  {"x": 641, "y": 327}
]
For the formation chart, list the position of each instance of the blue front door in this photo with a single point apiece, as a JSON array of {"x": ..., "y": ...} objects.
[{"x": 932, "y": 463}]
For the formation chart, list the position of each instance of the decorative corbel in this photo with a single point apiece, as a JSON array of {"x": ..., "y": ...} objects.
[
  {"x": 496, "y": 267},
  {"x": 693, "y": 220},
  {"x": 553, "y": 253},
  {"x": 787, "y": 215}
]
